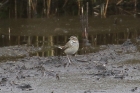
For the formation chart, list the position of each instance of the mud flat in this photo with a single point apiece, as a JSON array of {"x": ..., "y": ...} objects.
[{"x": 116, "y": 69}]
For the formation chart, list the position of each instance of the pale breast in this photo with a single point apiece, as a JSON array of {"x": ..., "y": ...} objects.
[{"x": 73, "y": 48}]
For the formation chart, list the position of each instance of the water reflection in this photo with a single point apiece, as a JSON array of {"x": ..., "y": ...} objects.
[
  {"x": 48, "y": 43},
  {"x": 48, "y": 33}
]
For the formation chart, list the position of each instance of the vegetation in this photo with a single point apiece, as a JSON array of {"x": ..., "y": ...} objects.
[{"x": 47, "y": 8}]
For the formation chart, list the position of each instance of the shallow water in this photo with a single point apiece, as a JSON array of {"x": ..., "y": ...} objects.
[{"x": 48, "y": 33}]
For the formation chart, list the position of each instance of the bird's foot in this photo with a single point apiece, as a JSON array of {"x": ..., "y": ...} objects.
[{"x": 67, "y": 64}]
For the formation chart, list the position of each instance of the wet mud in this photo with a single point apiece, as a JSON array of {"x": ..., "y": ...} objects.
[{"x": 115, "y": 69}]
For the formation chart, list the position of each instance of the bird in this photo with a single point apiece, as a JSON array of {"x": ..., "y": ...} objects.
[{"x": 71, "y": 47}]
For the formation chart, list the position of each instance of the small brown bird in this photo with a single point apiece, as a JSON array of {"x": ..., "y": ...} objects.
[{"x": 71, "y": 47}]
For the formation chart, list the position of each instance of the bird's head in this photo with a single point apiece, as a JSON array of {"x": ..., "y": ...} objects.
[{"x": 73, "y": 38}]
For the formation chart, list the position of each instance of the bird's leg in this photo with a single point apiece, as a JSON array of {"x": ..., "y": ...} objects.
[{"x": 69, "y": 59}]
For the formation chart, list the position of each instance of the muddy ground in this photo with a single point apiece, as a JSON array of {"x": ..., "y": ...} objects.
[{"x": 115, "y": 69}]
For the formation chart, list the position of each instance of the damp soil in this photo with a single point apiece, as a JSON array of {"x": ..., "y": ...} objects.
[{"x": 106, "y": 71}]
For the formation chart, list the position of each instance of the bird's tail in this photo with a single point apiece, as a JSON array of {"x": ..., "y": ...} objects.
[{"x": 58, "y": 46}]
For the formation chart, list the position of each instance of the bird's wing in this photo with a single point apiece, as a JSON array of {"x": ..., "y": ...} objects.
[{"x": 68, "y": 44}]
